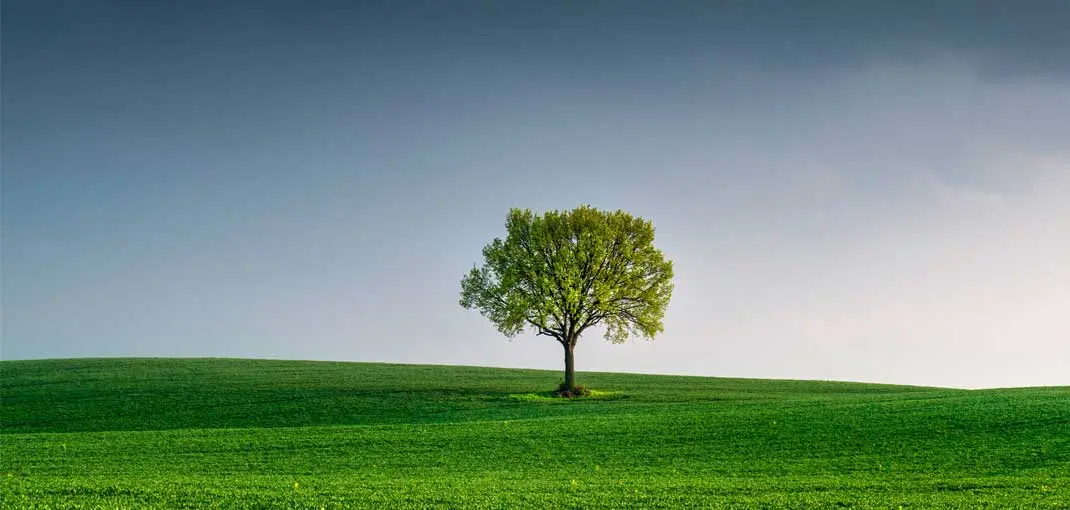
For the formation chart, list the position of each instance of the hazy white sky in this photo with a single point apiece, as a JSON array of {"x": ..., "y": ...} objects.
[{"x": 848, "y": 192}]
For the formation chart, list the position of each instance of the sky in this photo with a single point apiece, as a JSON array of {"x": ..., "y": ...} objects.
[{"x": 848, "y": 191}]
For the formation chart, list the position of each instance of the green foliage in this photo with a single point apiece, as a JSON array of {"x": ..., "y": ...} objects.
[
  {"x": 164, "y": 433},
  {"x": 564, "y": 272}
]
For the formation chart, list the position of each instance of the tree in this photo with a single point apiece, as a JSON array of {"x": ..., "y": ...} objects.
[{"x": 566, "y": 271}]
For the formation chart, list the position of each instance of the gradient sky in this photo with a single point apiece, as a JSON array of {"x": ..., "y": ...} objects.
[{"x": 848, "y": 191}]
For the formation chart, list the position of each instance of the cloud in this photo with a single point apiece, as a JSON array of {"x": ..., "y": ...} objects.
[
  {"x": 997, "y": 38},
  {"x": 961, "y": 198}
]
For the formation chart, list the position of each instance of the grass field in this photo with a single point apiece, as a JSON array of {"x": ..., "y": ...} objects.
[{"x": 220, "y": 433}]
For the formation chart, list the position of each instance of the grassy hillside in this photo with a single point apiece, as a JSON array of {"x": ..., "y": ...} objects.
[{"x": 136, "y": 433}]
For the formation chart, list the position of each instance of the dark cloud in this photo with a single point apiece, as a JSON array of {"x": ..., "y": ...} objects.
[{"x": 998, "y": 37}]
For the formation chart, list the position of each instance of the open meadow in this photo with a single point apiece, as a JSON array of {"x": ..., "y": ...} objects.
[{"x": 228, "y": 433}]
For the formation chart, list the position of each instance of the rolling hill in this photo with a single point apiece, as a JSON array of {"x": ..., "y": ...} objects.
[{"x": 230, "y": 433}]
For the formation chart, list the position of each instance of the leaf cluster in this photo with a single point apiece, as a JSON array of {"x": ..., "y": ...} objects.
[{"x": 563, "y": 272}]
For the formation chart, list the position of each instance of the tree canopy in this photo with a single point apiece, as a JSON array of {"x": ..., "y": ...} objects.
[{"x": 564, "y": 272}]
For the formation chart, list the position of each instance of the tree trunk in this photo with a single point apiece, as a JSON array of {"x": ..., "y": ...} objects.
[{"x": 570, "y": 367}]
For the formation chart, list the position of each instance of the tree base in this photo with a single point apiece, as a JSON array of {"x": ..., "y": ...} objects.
[{"x": 574, "y": 392}]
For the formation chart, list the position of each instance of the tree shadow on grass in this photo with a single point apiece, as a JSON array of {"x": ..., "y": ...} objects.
[{"x": 553, "y": 397}]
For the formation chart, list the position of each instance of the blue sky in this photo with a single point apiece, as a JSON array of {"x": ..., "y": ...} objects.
[{"x": 848, "y": 191}]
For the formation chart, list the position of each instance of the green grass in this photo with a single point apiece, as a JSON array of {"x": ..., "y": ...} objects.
[{"x": 215, "y": 433}]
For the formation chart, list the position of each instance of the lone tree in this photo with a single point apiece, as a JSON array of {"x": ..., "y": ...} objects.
[{"x": 566, "y": 271}]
